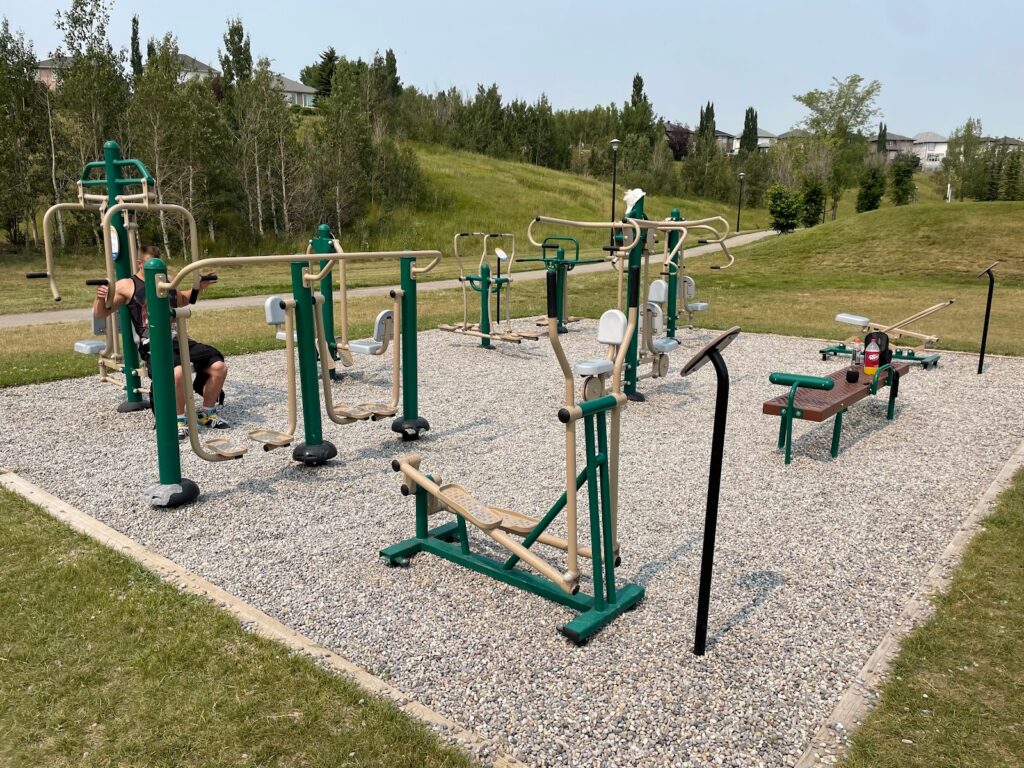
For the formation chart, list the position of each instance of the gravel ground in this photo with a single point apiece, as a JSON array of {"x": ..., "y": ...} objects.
[{"x": 814, "y": 560}]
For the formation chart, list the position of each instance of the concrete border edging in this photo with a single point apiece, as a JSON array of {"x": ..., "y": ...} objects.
[
  {"x": 830, "y": 740},
  {"x": 256, "y": 621}
]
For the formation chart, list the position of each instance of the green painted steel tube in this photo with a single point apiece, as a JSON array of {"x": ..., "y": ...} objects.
[
  {"x": 124, "y": 269},
  {"x": 598, "y": 404},
  {"x": 673, "y": 269},
  {"x": 309, "y": 382},
  {"x": 606, "y": 509},
  {"x": 878, "y": 373},
  {"x": 485, "y": 303},
  {"x": 463, "y": 535},
  {"x": 161, "y": 360},
  {"x": 594, "y": 500},
  {"x": 545, "y": 521},
  {"x": 323, "y": 243},
  {"x": 410, "y": 396},
  {"x": 800, "y": 380},
  {"x": 837, "y": 430}
]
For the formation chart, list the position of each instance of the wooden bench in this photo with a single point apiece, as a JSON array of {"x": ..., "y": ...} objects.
[{"x": 817, "y": 398}]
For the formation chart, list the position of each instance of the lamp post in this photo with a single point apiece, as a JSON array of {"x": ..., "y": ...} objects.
[
  {"x": 615, "y": 162},
  {"x": 739, "y": 204}
]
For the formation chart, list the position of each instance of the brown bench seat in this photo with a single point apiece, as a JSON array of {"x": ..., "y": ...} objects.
[{"x": 815, "y": 398}]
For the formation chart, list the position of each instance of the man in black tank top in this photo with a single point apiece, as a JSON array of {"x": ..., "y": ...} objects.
[{"x": 211, "y": 369}]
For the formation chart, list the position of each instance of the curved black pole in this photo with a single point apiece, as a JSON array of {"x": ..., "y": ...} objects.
[
  {"x": 707, "y": 558},
  {"x": 988, "y": 311}
]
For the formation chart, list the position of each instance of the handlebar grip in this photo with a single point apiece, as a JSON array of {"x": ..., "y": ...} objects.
[
  {"x": 37, "y": 275},
  {"x": 549, "y": 246},
  {"x": 634, "y": 286},
  {"x": 97, "y": 281},
  {"x": 811, "y": 382},
  {"x": 552, "y": 295},
  {"x": 193, "y": 297},
  {"x": 702, "y": 241}
]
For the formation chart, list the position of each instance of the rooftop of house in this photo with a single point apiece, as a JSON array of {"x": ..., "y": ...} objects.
[
  {"x": 763, "y": 134},
  {"x": 793, "y": 133},
  {"x": 723, "y": 135},
  {"x": 1005, "y": 141},
  {"x": 928, "y": 136},
  {"x": 890, "y": 136},
  {"x": 293, "y": 86}
]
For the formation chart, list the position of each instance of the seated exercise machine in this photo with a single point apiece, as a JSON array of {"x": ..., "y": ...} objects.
[
  {"x": 852, "y": 347},
  {"x": 488, "y": 287},
  {"x": 118, "y": 206},
  {"x": 517, "y": 533}
]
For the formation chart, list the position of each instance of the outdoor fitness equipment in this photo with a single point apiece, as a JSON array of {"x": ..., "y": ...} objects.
[
  {"x": 483, "y": 284},
  {"x": 554, "y": 259},
  {"x": 302, "y": 312},
  {"x": 630, "y": 240},
  {"x": 451, "y": 540},
  {"x": 713, "y": 352},
  {"x": 852, "y": 347},
  {"x": 118, "y": 209}
]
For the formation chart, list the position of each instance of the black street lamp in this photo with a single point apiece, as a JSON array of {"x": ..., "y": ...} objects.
[
  {"x": 739, "y": 204},
  {"x": 615, "y": 161},
  {"x": 988, "y": 311}
]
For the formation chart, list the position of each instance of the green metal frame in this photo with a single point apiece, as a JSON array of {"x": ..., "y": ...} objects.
[
  {"x": 451, "y": 541},
  {"x": 321, "y": 244},
  {"x": 636, "y": 253},
  {"x": 796, "y": 381},
  {"x": 672, "y": 272},
  {"x": 561, "y": 266},
  {"x": 901, "y": 353}
]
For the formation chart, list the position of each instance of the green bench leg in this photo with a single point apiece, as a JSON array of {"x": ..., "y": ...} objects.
[
  {"x": 787, "y": 425},
  {"x": 894, "y": 388},
  {"x": 782, "y": 430},
  {"x": 837, "y": 430}
]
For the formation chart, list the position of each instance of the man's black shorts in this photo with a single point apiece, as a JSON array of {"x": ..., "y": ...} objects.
[{"x": 202, "y": 357}]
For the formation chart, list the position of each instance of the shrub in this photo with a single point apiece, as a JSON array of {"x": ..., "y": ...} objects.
[
  {"x": 812, "y": 202},
  {"x": 784, "y": 208},
  {"x": 902, "y": 187},
  {"x": 872, "y": 187}
]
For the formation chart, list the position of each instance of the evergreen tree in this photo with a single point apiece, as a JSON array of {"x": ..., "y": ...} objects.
[
  {"x": 748, "y": 139},
  {"x": 883, "y": 139},
  {"x": 136, "y": 49},
  {"x": 812, "y": 201},
  {"x": 325, "y": 72},
  {"x": 872, "y": 188},
  {"x": 1010, "y": 185},
  {"x": 784, "y": 208},
  {"x": 901, "y": 187}
]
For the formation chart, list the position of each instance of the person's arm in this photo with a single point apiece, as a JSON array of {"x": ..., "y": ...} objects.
[{"x": 123, "y": 290}]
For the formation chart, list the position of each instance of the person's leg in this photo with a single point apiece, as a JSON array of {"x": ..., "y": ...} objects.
[
  {"x": 216, "y": 374},
  {"x": 179, "y": 389}
]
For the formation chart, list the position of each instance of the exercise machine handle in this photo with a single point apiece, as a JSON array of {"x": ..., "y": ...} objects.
[
  {"x": 209, "y": 278},
  {"x": 800, "y": 380},
  {"x": 97, "y": 281},
  {"x": 552, "y": 279}
]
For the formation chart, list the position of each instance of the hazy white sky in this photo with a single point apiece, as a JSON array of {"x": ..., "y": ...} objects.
[{"x": 939, "y": 62}]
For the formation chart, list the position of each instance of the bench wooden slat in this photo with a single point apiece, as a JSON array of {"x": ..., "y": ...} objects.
[{"x": 819, "y": 405}]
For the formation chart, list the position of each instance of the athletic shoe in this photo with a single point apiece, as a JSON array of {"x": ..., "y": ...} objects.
[
  {"x": 210, "y": 418},
  {"x": 182, "y": 429}
]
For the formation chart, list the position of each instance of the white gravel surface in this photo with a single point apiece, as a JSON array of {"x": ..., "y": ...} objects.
[{"x": 814, "y": 560}]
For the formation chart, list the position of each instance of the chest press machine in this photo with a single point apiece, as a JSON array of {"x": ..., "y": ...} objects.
[{"x": 600, "y": 416}]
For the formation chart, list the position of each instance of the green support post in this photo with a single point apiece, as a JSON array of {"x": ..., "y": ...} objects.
[
  {"x": 124, "y": 269},
  {"x": 410, "y": 425},
  {"x": 314, "y": 450},
  {"x": 633, "y": 350},
  {"x": 485, "y": 303},
  {"x": 323, "y": 243},
  {"x": 172, "y": 490},
  {"x": 673, "y": 270}
]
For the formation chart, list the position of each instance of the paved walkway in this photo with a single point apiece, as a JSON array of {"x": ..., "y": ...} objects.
[{"x": 85, "y": 313}]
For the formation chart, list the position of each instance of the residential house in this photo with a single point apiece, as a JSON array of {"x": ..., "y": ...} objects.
[
  {"x": 793, "y": 133},
  {"x": 931, "y": 148},
  {"x": 765, "y": 139},
  {"x": 46, "y": 70},
  {"x": 728, "y": 142},
  {"x": 295, "y": 93},
  {"x": 895, "y": 145},
  {"x": 1005, "y": 141}
]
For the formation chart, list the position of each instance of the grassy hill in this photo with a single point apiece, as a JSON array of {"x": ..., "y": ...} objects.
[{"x": 474, "y": 192}]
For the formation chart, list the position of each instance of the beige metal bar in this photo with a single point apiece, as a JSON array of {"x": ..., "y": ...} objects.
[
  {"x": 289, "y": 344},
  {"x": 915, "y": 317},
  {"x": 634, "y": 224},
  {"x": 48, "y": 238}
]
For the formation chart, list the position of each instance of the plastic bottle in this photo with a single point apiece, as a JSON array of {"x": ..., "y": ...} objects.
[{"x": 872, "y": 354}]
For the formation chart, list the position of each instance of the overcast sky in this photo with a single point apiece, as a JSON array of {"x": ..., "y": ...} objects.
[{"x": 939, "y": 62}]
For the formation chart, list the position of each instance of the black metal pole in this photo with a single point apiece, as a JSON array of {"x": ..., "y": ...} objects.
[
  {"x": 739, "y": 206},
  {"x": 615, "y": 163},
  {"x": 707, "y": 558},
  {"x": 988, "y": 311}
]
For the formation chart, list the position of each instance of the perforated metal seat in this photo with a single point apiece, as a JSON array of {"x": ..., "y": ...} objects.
[{"x": 666, "y": 345}]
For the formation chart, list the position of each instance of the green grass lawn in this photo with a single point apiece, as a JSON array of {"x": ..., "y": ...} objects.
[
  {"x": 102, "y": 664},
  {"x": 956, "y": 691},
  {"x": 478, "y": 193}
]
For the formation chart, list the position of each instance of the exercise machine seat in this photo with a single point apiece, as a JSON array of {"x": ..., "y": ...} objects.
[
  {"x": 658, "y": 292},
  {"x": 666, "y": 344},
  {"x": 657, "y": 316},
  {"x": 691, "y": 286},
  {"x": 375, "y": 344},
  {"x": 282, "y": 336},
  {"x": 611, "y": 331},
  {"x": 90, "y": 346},
  {"x": 697, "y": 306},
  {"x": 273, "y": 310}
]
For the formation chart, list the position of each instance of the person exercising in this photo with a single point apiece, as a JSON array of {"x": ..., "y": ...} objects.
[{"x": 211, "y": 370}]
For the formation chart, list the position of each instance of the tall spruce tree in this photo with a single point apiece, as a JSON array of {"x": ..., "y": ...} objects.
[
  {"x": 883, "y": 138},
  {"x": 136, "y": 49},
  {"x": 748, "y": 139}
]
